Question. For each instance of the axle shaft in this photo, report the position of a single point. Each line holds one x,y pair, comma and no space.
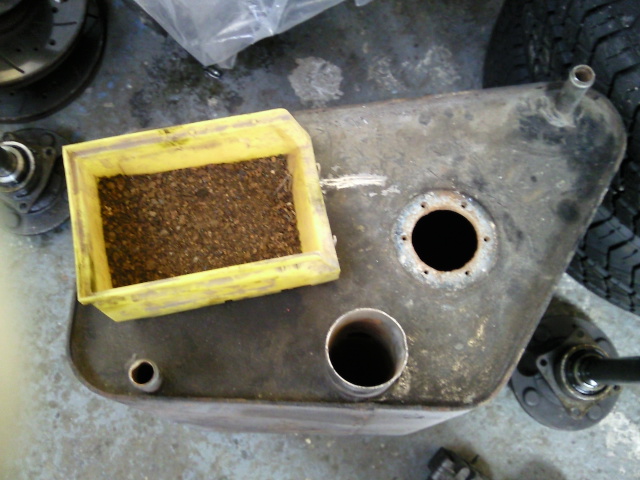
611,371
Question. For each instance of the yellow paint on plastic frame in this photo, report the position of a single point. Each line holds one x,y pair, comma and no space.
233,139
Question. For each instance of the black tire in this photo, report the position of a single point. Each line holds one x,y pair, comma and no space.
540,40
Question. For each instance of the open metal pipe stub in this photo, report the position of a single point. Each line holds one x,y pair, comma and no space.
507,193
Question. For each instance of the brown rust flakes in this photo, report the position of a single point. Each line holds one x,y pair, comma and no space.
185,221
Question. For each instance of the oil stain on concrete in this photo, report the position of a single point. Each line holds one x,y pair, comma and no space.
316,82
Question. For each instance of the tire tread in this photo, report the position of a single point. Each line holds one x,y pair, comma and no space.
539,40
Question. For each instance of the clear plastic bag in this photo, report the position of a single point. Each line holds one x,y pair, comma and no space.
214,31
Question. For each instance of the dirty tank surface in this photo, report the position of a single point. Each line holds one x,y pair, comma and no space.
388,49
265,354
185,221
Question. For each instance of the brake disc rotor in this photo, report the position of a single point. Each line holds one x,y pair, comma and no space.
49,51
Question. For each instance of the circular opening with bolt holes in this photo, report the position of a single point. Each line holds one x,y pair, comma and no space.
145,375
366,351
444,240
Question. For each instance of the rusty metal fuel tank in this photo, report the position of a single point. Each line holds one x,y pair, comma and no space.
454,217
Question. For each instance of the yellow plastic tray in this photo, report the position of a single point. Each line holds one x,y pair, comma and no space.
233,139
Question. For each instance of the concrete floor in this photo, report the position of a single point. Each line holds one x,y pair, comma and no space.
52,427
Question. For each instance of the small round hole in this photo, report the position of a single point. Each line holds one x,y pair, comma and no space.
543,362
145,375
426,272
423,205
463,205
444,240
54,9
23,206
467,273
52,42
142,373
404,238
583,74
486,239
